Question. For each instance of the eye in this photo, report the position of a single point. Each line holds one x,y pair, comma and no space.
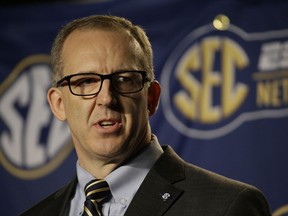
123,79
85,81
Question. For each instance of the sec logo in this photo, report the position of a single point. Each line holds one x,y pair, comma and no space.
33,142
215,81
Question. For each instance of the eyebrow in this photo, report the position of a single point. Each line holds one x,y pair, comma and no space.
116,71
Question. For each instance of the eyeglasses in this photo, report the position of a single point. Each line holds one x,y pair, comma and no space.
88,84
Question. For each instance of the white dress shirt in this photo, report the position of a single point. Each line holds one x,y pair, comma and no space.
124,182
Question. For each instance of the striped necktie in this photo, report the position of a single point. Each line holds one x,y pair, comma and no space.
96,192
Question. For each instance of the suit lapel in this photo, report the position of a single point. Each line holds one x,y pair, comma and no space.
157,192
60,204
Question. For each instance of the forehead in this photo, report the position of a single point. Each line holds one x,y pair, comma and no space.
101,47
106,39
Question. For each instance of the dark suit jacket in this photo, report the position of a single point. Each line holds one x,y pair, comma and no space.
174,188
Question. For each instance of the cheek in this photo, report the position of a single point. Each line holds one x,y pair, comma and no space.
75,109
139,111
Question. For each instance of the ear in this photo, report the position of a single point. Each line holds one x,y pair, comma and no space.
154,91
55,100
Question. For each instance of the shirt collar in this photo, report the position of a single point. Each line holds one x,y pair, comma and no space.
126,179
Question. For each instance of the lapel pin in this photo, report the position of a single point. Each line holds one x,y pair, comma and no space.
165,196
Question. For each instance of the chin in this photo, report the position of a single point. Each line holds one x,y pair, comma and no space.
109,150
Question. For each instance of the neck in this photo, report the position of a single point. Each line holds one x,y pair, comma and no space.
99,170
100,167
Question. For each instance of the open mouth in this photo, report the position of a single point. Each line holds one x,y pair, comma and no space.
107,124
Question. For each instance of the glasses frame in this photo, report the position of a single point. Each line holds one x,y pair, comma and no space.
103,77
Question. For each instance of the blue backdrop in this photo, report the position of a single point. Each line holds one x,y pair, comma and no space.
223,67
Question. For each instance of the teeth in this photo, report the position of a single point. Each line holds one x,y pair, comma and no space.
106,123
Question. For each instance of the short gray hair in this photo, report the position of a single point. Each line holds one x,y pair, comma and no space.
104,22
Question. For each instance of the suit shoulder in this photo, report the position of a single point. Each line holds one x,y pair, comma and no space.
52,202
170,162
234,196
199,176
204,188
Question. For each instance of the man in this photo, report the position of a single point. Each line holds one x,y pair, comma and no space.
104,88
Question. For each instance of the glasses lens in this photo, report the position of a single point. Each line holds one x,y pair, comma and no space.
127,82
85,84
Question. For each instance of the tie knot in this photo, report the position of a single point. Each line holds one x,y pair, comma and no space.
97,190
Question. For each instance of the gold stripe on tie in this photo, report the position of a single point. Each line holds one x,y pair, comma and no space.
96,191
87,211
94,182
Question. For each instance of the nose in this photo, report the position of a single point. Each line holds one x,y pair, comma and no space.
105,96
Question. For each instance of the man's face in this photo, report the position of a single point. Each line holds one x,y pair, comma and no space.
108,126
